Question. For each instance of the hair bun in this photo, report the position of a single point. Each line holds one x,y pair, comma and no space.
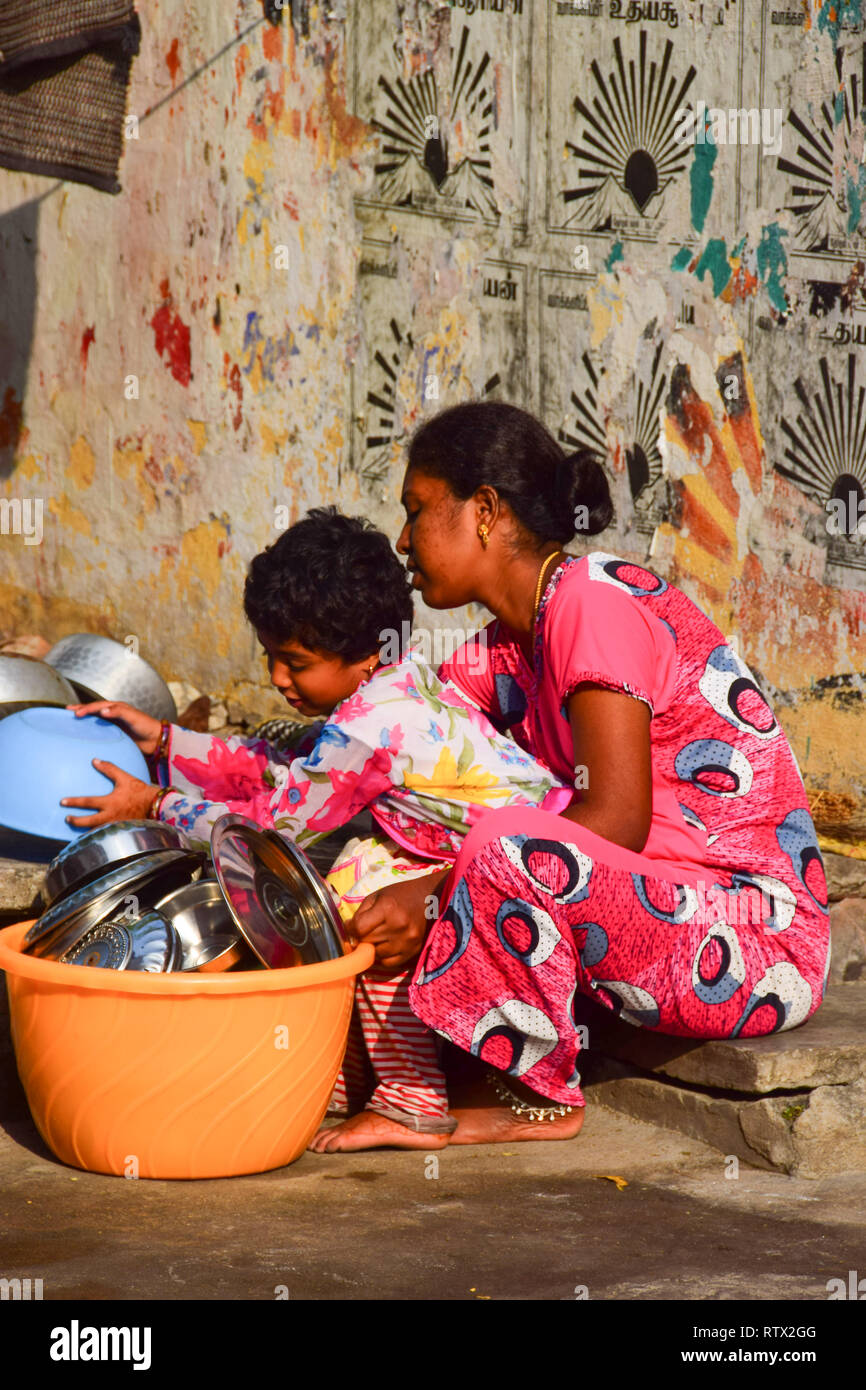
583,494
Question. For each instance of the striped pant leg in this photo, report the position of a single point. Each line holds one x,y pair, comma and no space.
404,1054
389,1048
355,1079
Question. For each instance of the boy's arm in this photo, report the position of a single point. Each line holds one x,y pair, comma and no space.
199,762
306,797
197,818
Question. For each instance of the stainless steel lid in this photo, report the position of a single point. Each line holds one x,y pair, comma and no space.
106,947
89,856
279,902
150,943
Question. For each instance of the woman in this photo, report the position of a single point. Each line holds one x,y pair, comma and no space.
683,887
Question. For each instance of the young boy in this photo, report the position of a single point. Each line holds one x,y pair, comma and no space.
332,607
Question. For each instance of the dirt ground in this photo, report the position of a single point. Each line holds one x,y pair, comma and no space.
533,1221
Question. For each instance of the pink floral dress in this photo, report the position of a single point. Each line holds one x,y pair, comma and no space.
718,928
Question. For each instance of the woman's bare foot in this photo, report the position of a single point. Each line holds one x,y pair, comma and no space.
484,1119
368,1130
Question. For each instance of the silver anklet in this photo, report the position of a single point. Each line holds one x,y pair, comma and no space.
520,1107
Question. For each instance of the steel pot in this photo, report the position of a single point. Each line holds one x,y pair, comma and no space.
24,682
102,669
208,936
92,854
146,879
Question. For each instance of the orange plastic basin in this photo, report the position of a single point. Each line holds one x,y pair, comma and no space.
177,1075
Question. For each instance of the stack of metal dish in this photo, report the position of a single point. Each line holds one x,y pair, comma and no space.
102,891
137,896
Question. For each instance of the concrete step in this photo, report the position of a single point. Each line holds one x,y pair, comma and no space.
793,1101
828,1050
813,1134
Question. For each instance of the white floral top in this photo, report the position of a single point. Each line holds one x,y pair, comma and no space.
408,746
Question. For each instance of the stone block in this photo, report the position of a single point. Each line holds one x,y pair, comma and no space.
20,882
848,928
811,1134
828,1050
218,718
846,876
183,693
657,1102
31,645
830,1134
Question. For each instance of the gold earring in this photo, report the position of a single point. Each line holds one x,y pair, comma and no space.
484,534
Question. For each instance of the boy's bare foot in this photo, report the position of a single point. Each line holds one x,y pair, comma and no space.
369,1130
484,1119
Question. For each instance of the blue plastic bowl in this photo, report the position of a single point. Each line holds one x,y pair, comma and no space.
45,754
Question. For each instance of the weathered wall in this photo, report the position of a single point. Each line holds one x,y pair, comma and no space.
325,234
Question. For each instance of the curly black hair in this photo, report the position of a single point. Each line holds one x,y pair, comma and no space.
332,583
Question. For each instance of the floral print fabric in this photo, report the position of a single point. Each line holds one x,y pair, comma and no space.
405,744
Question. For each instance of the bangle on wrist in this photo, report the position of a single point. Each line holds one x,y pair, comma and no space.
161,748
156,804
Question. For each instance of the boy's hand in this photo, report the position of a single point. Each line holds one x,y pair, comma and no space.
141,727
395,919
131,799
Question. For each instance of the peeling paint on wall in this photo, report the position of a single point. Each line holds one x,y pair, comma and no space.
333,226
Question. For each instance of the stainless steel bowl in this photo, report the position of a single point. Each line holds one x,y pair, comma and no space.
208,936
91,855
102,669
155,944
24,682
146,880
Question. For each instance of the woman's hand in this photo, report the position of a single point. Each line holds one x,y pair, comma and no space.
396,919
142,728
131,799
